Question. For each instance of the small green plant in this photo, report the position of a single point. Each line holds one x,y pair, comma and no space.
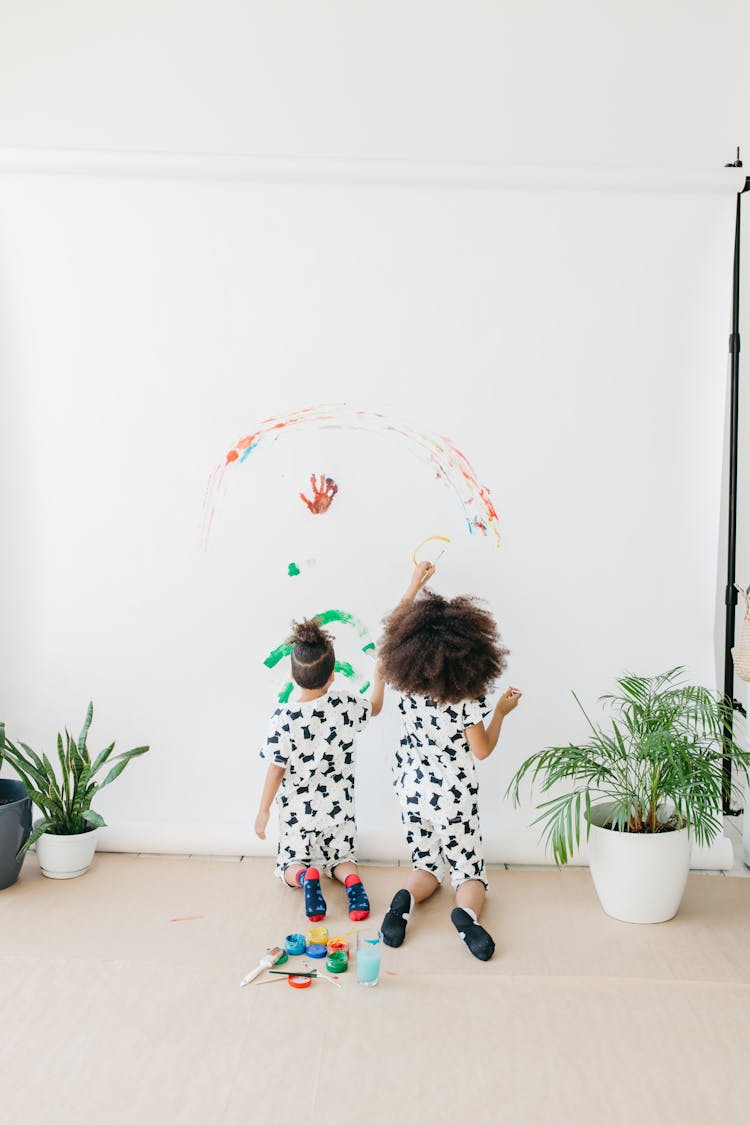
65,803
659,767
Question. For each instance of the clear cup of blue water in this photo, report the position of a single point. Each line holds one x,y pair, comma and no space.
369,951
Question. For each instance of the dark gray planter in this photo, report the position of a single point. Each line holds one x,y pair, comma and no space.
15,826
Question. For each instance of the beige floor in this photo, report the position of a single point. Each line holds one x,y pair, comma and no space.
116,1012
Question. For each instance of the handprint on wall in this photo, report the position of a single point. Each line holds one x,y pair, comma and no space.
323,495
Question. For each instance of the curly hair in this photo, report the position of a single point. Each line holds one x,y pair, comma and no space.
313,658
446,650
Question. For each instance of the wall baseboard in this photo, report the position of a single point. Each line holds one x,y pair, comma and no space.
209,839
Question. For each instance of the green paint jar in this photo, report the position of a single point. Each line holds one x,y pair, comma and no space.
337,961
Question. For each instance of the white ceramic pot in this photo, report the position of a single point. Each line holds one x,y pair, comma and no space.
638,876
66,857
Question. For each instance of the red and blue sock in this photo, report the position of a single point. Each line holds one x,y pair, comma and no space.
359,904
315,904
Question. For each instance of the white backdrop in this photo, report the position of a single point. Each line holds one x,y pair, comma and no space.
572,343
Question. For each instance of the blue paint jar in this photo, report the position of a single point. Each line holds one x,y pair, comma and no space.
295,944
316,950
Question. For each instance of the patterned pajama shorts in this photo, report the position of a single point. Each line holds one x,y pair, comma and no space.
325,846
454,839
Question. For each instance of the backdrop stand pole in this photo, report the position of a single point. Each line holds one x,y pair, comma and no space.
730,595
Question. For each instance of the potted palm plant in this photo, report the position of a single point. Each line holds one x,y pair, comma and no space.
15,824
644,788
65,835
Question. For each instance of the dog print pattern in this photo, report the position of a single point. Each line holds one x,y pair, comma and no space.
315,743
436,784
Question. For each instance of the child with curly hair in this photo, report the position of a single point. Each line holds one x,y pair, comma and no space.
310,748
443,656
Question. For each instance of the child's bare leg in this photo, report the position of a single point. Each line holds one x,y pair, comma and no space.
291,873
471,894
419,886
343,871
359,905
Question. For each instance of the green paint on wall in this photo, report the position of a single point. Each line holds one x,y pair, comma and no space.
278,654
332,615
329,615
293,570
364,687
325,618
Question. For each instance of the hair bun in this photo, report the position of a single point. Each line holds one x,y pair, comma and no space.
309,632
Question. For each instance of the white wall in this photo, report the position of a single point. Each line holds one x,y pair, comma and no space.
135,332
630,82
569,342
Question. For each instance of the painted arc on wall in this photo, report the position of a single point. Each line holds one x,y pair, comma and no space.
452,467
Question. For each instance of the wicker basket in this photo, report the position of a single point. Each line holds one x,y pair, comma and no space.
741,651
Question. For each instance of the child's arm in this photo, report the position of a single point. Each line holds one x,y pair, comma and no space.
270,789
483,742
422,574
378,691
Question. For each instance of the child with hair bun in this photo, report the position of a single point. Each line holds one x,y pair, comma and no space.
443,656
310,748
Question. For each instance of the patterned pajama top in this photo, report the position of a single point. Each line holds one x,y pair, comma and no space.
436,784
315,743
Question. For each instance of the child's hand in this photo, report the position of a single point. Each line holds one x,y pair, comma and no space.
423,572
261,823
509,701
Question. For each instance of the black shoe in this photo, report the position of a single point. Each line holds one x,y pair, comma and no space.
476,937
394,923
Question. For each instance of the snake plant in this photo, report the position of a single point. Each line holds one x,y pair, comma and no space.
65,800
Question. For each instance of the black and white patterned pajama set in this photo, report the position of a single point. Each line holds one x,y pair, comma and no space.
314,742
436,783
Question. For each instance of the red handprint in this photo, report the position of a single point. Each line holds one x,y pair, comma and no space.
323,495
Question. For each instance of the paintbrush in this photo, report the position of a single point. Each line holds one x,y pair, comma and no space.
293,972
271,957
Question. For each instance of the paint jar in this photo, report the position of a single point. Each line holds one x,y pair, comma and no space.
317,935
338,943
316,950
337,961
295,944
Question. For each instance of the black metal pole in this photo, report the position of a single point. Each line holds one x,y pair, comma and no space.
730,595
